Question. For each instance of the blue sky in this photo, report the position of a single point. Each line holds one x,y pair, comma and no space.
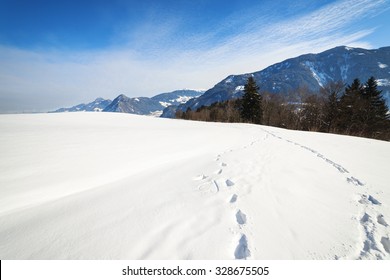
60,53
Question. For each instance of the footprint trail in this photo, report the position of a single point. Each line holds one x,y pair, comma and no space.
373,226
216,184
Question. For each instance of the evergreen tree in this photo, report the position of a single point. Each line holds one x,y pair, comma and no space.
331,106
351,107
311,114
251,103
375,111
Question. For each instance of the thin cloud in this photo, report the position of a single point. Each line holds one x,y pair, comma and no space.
328,19
44,80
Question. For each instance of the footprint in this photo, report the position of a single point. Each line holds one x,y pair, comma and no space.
200,177
233,198
229,183
223,164
219,171
365,218
240,217
222,183
242,251
373,200
381,220
204,186
209,187
216,187
386,244
353,180
369,199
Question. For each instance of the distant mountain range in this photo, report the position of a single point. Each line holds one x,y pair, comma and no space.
311,71
95,106
150,106
136,105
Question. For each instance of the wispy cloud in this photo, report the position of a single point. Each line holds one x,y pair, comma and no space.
158,58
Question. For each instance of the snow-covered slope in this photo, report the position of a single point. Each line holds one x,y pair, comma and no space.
150,106
311,71
177,97
121,186
95,106
134,105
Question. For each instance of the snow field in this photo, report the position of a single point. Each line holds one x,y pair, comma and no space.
118,186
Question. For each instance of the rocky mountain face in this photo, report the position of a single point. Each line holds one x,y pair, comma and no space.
95,106
311,71
137,105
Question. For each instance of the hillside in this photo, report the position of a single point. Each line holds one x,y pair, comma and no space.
135,105
122,186
309,71
95,106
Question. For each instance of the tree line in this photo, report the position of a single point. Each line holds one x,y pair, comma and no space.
357,109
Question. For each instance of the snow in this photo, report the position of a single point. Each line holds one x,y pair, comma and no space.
238,88
156,114
382,65
229,79
344,71
136,99
200,90
183,99
320,77
383,82
122,186
165,104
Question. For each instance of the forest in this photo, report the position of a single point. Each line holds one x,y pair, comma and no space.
358,109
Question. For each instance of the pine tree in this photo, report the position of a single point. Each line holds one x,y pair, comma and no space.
331,106
251,104
311,114
351,107
375,111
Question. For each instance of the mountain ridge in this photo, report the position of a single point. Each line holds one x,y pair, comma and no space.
311,71
135,105
150,105
95,106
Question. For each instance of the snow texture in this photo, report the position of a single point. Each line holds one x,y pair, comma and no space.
383,82
120,186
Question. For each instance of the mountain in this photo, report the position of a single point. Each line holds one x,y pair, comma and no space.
177,97
95,106
311,71
136,105
154,105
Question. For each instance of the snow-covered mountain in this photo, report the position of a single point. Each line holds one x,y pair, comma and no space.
311,71
123,186
177,97
95,106
150,106
137,105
